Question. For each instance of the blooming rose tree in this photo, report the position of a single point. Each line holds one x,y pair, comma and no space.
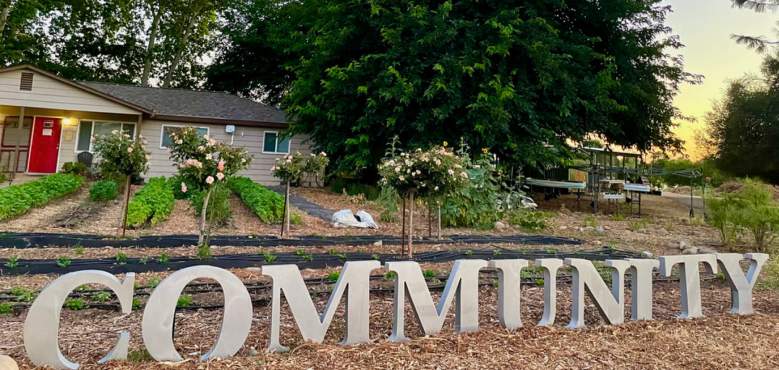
291,168
430,174
121,156
206,163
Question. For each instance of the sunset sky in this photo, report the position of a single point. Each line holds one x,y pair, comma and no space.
705,27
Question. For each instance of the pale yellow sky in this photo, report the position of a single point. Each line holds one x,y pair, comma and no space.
705,28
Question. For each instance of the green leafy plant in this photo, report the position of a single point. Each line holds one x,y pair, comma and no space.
16,200
23,294
12,262
102,297
136,304
429,274
265,203
333,276
63,262
78,249
218,204
184,301
154,282
75,304
204,251
121,258
528,220
75,168
152,204
390,275
6,308
163,258
143,260
104,190
269,257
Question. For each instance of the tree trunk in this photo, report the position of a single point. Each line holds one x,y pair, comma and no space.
410,225
438,219
429,220
4,17
126,206
204,218
153,31
285,221
174,65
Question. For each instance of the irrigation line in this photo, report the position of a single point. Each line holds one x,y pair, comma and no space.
300,258
48,240
320,287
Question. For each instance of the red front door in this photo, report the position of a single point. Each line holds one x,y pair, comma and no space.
44,145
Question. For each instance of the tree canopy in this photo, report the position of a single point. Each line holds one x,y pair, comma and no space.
744,126
520,77
131,41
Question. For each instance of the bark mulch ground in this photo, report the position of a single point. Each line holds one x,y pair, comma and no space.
719,340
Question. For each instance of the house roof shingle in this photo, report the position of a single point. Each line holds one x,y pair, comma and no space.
192,104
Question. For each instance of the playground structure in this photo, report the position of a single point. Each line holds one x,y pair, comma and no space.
605,174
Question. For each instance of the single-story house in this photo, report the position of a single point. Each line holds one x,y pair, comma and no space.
60,118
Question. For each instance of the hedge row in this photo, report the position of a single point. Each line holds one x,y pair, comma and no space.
16,200
152,204
265,203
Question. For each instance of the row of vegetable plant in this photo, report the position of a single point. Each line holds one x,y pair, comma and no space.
17,200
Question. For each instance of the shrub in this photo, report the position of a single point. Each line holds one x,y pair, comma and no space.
6,308
528,220
104,190
722,215
265,203
17,200
758,213
75,168
152,204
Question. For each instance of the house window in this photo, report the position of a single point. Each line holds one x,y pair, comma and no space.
273,143
87,130
165,140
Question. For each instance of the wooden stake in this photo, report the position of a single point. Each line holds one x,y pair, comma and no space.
411,225
438,219
126,205
429,220
285,220
403,225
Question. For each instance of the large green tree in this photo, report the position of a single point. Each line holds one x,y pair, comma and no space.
520,77
744,127
163,42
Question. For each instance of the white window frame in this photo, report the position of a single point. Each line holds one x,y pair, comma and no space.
289,147
92,132
162,131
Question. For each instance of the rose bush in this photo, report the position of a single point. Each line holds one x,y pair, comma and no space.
435,172
121,157
205,164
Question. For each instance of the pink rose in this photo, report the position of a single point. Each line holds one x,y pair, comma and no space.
220,166
183,187
220,176
209,180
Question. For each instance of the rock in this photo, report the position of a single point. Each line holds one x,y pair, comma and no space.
600,229
647,254
683,245
378,243
705,249
366,220
499,225
7,363
563,227
345,218
690,250
253,352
